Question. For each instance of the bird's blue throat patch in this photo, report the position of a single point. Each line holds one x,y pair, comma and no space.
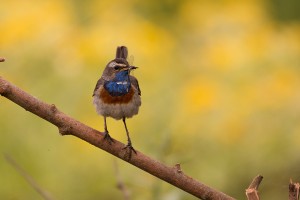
120,85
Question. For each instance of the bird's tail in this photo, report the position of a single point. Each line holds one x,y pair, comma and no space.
122,52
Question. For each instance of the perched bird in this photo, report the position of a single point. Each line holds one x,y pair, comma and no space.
117,93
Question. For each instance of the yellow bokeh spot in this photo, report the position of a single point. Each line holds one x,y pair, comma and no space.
200,94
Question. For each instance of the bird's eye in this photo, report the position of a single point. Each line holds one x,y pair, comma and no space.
117,67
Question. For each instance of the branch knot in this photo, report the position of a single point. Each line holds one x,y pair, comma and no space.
65,130
178,168
4,87
53,108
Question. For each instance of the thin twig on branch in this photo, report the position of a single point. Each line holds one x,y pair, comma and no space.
28,178
120,184
69,126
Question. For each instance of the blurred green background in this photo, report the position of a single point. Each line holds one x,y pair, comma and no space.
220,87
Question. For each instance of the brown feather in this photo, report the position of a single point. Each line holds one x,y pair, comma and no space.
109,99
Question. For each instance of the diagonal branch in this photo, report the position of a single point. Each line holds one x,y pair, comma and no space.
69,126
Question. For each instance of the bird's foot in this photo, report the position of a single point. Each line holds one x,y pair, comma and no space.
129,149
108,138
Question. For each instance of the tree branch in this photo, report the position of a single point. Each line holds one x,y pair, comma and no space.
69,126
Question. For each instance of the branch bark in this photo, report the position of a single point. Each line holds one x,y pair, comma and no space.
69,126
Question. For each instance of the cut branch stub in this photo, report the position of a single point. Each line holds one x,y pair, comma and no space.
294,190
252,190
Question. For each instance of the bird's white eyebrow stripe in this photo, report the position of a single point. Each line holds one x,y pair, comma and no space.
113,64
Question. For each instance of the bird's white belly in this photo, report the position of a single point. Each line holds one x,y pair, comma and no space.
117,110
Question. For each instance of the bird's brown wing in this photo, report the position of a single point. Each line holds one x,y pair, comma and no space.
99,83
135,83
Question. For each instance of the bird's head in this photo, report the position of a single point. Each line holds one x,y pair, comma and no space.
118,66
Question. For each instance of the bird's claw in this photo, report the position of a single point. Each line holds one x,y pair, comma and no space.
108,138
131,149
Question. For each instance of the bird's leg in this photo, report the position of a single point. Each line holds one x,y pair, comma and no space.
107,136
129,144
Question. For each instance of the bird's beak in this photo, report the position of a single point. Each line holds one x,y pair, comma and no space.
132,67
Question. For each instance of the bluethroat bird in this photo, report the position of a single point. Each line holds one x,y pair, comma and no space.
117,93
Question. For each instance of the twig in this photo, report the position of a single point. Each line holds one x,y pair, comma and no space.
294,190
120,184
252,190
28,178
69,126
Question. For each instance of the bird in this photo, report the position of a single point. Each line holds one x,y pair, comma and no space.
117,94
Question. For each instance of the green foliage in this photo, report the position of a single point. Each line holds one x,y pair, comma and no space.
220,91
